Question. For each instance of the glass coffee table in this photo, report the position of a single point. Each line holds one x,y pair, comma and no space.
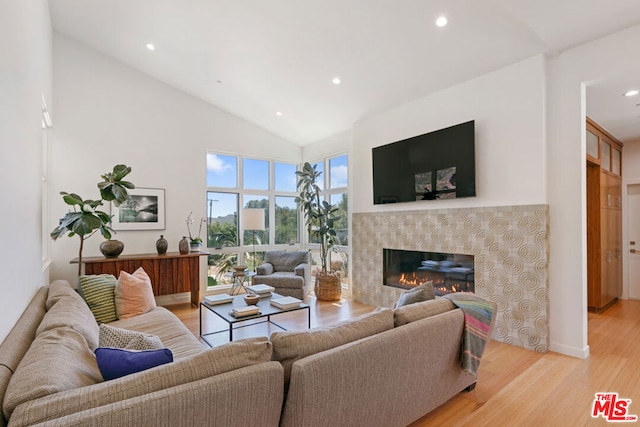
223,311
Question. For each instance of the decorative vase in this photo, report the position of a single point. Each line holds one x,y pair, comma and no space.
162,245
328,287
183,246
111,248
195,247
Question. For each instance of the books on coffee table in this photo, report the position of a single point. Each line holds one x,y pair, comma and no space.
249,310
260,289
286,303
218,299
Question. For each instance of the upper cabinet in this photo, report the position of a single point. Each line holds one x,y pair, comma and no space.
592,145
603,149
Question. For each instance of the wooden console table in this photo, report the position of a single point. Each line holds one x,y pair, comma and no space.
170,273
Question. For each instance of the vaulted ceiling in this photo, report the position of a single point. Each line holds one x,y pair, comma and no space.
273,62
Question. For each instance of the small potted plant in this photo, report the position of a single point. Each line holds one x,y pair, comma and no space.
195,243
85,218
320,217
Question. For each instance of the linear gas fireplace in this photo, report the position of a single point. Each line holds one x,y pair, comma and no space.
448,272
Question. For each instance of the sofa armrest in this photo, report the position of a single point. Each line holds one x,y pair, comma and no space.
264,269
301,269
247,396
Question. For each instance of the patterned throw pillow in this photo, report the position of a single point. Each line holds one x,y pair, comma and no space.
110,336
98,292
134,294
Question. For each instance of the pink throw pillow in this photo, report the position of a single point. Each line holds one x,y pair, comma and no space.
133,294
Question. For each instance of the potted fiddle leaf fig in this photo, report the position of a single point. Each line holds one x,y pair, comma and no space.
86,218
320,217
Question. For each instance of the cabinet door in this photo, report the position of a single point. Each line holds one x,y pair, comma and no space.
592,144
611,238
617,254
616,161
614,188
607,259
605,155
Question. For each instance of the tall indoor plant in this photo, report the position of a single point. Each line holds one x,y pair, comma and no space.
320,217
85,218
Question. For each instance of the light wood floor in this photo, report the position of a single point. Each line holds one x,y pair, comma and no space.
516,387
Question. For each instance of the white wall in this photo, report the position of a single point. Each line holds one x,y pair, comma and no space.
631,160
508,109
567,75
107,113
25,74
337,144
630,176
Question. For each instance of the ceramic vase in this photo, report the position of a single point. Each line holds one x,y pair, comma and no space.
111,248
195,247
162,245
183,246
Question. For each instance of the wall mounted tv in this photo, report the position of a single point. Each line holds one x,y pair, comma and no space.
436,165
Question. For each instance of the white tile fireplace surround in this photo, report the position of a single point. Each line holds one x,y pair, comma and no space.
511,249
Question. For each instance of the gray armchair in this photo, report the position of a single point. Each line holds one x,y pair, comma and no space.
287,272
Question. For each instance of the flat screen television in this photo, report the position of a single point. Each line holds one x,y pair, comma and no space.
436,165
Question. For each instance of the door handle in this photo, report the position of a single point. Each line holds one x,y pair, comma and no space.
633,251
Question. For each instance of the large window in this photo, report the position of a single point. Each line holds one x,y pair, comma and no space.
235,183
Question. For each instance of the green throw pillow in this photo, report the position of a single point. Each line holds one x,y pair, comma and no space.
420,293
98,292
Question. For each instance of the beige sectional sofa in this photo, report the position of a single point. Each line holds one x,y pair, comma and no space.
386,368
48,373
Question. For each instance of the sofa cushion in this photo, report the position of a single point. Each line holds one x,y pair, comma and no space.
290,346
133,294
70,311
59,359
420,293
412,312
166,326
110,336
116,362
98,291
215,361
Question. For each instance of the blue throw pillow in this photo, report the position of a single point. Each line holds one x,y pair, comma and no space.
116,362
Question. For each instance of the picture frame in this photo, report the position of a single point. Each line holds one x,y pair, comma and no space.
143,210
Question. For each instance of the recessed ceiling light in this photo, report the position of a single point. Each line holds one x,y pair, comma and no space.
150,46
631,93
336,81
279,113
442,21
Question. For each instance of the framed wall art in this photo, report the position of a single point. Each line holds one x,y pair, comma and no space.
143,210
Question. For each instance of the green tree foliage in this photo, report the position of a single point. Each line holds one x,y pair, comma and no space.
342,222
286,225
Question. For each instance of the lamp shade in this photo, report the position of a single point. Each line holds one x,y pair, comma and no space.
253,219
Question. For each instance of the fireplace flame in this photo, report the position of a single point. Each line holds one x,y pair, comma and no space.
409,279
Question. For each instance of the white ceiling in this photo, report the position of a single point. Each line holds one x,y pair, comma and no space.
254,58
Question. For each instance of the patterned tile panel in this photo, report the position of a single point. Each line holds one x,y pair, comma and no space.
511,249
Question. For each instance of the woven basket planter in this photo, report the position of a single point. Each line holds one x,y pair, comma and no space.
328,287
